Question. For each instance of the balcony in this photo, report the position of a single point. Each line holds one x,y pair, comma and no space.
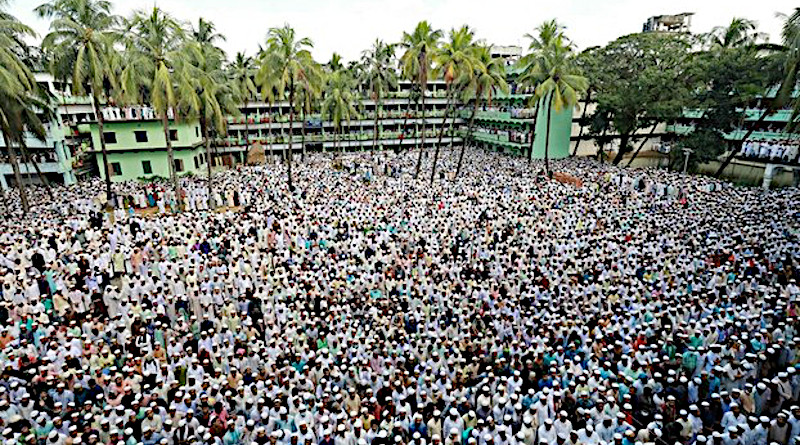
682,129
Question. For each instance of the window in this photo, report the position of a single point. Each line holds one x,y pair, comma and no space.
147,168
196,162
178,165
173,135
116,169
110,137
141,135
197,131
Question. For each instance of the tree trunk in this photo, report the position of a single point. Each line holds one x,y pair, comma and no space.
639,148
470,126
303,137
291,122
375,125
422,136
623,144
100,126
207,144
767,112
171,158
533,130
246,138
405,122
29,160
441,133
450,131
12,157
601,145
583,118
269,135
547,137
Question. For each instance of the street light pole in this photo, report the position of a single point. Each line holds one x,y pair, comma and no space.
687,152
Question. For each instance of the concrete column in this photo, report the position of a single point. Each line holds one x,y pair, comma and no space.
769,173
796,177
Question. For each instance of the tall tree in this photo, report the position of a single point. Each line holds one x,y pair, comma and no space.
82,37
18,102
546,36
338,103
285,64
153,48
203,89
739,33
789,54
642,79
379,78
241,73
456,60
488,77
416,64
557,81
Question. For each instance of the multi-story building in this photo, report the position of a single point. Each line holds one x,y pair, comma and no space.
136,144
400,126
59,157
669,23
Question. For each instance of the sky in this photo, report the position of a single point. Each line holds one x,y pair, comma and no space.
350,26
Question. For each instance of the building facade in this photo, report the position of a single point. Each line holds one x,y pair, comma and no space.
137,148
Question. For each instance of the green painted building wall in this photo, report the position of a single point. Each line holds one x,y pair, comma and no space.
560,131
130,163
128,154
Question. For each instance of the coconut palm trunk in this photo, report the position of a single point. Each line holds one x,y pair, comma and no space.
470,127
303,136
424,87
291,128
375,124
269,138
246,138
100,128
29,160
547,136
441,134
533,131
171,158
12,157
209,179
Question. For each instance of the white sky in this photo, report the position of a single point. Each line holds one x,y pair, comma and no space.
350,26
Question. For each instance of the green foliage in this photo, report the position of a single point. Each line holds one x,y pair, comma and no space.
641,79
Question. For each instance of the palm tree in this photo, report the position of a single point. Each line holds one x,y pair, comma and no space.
241,73
18,103
285,65
488,76
416,63
81,38
338,101
545,36
308,93
378,77
203,90
154,42
555,75
456,60
739,33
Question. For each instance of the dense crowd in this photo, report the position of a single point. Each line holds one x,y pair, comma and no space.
367,308
785,151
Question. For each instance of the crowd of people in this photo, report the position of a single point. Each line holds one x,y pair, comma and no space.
498,308
785,151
